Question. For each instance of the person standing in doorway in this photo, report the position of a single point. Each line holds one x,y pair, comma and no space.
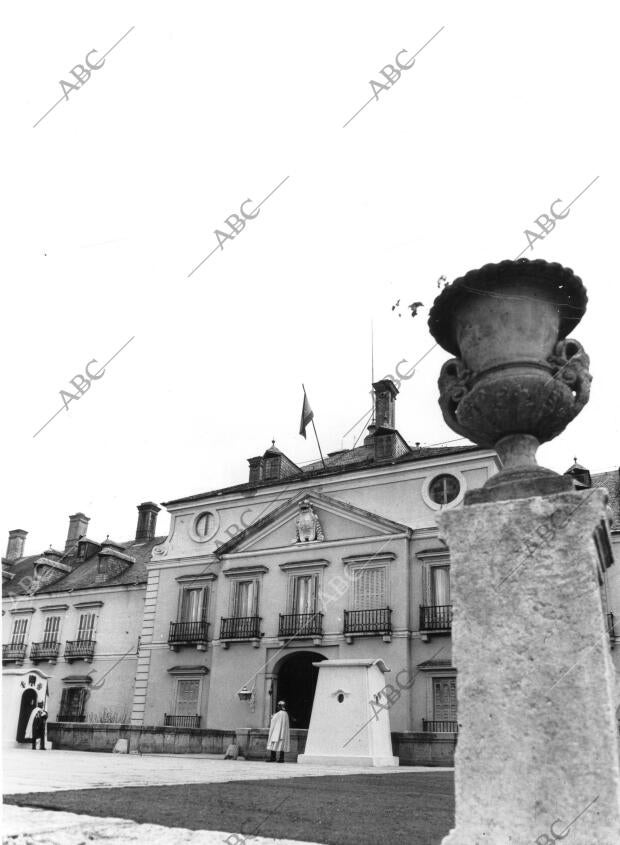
279,739
36,726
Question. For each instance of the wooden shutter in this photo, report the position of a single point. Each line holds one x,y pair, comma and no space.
444,699
80,702
52,628
64,703
86,629
370,588
187,697
19,631
204,604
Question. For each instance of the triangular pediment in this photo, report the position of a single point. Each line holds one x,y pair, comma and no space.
337,521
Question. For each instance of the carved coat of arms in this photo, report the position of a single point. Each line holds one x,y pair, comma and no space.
307,526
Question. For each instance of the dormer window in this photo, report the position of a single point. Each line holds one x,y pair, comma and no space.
580,475
86,548
271,468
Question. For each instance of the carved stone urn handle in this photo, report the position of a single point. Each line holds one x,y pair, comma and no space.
453,384
571,364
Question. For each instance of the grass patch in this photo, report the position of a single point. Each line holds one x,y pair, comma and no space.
417,808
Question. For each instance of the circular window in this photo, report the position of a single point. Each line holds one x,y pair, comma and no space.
204,524
444,489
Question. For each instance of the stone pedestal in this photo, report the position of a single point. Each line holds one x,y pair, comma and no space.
350,723
537,752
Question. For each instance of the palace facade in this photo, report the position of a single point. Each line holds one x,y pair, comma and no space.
254,585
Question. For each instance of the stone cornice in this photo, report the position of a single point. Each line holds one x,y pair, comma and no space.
303,564
207,576
244,570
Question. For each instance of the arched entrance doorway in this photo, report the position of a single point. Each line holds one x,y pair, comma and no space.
29,702
296,684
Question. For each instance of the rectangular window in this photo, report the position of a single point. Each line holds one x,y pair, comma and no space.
194,604
369,587
20,626
188,691
304,593
72,704
245,599
52,630
444,699
440,585
86,628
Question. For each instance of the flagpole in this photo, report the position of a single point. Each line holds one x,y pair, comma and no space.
315,434
318,444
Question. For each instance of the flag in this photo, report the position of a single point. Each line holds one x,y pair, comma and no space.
307,415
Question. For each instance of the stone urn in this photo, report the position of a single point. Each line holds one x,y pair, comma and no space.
517,380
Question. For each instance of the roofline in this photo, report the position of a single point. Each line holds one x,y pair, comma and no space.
324,473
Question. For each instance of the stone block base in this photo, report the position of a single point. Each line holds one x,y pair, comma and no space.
334,760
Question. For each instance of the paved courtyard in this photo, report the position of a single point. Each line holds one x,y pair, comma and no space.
189,796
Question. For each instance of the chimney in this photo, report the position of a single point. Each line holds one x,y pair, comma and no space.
385,399
147,520
78,525
255,469
384,416
15,546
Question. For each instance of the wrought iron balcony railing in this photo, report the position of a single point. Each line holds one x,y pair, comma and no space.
300,625
188,632
436,617
79,650
14,652
377,621
240,628
44,651
171,721
440,726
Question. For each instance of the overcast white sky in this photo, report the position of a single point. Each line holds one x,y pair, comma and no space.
113,198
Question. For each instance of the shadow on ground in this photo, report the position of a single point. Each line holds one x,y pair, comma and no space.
416,808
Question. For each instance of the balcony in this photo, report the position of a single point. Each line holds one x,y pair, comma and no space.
44,651
14,653
373,622
181,721
241,628
301,625
435,618
188,633
79,650
440,726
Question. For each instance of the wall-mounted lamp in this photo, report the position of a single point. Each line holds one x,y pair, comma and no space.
246,694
